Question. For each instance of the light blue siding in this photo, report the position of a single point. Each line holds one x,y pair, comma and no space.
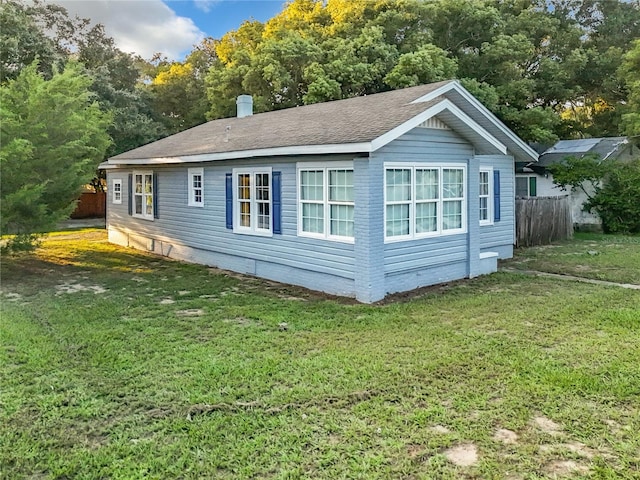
499,237
369,268
415,263
199,234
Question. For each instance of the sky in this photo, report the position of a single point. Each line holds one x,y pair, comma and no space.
171,27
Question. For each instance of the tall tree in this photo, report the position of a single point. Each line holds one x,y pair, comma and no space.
53,137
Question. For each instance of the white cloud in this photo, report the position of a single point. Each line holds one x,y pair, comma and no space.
204,5
144,27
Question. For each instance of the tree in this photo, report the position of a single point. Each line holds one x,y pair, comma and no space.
630,73
612,189
53,137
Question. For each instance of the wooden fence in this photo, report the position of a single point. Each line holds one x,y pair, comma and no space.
91,204
542,220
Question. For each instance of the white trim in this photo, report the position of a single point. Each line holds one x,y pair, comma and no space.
144,214
455,85
410,124
325,167
439,232
489,220
116,199
253,229
362,147
191,200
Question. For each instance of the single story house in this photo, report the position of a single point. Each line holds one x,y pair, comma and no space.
535,179
358,197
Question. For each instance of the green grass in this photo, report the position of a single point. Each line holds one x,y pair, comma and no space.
120,384
614,258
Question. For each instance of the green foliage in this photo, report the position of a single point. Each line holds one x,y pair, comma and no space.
618,200
630,73
580,173
612,189
544,67
53,137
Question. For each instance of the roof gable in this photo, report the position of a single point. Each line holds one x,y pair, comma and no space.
355,125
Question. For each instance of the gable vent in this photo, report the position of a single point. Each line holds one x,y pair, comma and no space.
433,122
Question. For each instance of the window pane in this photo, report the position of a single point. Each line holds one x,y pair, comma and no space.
398,185
313,218
148,183
484,208
149,204
484,183
138,201
426,184
452,215
245,214
397,220
138,183
264,217
244,187
342,220
262,186
311,182
452,186
197,181
522,187
426,217
341,185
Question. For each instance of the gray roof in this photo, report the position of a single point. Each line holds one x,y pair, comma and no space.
603,147
352,122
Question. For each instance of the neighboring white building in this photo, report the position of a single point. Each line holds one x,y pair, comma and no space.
535,179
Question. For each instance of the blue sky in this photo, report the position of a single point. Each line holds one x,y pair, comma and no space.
219,16
170,27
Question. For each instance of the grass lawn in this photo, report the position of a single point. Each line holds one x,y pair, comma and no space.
615,258
117,364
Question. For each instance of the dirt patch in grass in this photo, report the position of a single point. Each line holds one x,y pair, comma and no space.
191,312
465,455
72,287
547,425
505,436
565,468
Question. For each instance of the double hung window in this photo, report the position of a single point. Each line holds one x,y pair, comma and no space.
326,202
196,187
116,186
252,198
485,196
143,194
424,200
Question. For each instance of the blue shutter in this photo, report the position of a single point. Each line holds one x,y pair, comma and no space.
130,194
155,195
496,195
277,203
229,199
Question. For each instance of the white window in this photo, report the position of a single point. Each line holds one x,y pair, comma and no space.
486,194
252,201
326,201
424,200
143,194
116,186
196,187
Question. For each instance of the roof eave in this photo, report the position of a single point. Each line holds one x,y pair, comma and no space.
361,147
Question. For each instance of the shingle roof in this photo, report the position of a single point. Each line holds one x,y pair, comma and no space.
353,120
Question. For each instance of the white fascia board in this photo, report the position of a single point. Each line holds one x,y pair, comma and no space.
455,85
493,119
391,135
436,93
362,147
